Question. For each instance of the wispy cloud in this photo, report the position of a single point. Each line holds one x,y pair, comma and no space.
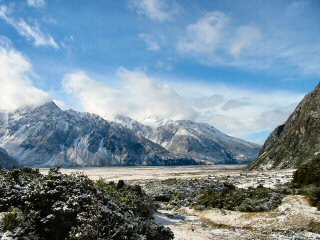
157,10
36,3
30,32
237,111
244,37
215,39
296,7
205,35
150,41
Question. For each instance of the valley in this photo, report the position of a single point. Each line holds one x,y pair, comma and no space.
292,219
216,173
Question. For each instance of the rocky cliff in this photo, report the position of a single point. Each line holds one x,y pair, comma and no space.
296,142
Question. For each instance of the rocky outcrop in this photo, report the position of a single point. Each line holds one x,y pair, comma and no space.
296,142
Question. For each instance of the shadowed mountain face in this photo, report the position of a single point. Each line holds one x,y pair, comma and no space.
5,160
297,141
194,140
48,136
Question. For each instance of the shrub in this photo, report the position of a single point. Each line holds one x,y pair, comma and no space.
307,178
308,173
246,200
315,197
12,219
58,206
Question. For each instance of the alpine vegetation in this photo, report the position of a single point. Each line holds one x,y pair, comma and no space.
58,206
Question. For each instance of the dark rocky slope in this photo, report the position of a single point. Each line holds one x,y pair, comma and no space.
296,142
5,160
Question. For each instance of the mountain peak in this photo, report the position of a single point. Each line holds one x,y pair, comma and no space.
49,106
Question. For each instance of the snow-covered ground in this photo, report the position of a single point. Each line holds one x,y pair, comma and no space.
152,172
291,220
219,173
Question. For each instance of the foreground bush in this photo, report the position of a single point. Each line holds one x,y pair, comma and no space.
308,173
307,179
58,206
246,200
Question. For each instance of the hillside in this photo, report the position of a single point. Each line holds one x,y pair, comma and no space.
297,141
5,160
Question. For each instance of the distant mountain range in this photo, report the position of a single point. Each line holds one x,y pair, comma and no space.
48,136
297,142
199,141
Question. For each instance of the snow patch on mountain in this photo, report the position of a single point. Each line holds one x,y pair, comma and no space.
199,141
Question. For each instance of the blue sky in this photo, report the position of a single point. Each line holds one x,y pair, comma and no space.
241,66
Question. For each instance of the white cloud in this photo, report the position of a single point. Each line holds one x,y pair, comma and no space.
212,35
138,97
215,39
30,32
296,7
238,112
165,64
245,36
36,3
150,41
157,10
16,87
205,35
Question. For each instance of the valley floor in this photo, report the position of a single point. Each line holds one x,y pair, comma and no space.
293,219
232,173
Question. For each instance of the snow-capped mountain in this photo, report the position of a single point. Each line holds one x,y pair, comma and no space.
199,141
137,127
48,136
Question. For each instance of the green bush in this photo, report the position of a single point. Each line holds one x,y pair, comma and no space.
308,173
246,200
59,206
315,197
11,219
307,179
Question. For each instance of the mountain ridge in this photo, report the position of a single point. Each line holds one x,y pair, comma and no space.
196,140
297,141
46,136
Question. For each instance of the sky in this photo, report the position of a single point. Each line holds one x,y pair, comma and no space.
241,66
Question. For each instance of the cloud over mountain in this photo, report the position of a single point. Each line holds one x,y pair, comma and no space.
16,87
238,112
139,96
